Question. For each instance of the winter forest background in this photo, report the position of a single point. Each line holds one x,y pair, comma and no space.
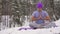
16,12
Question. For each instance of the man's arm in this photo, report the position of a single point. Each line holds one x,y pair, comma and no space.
33,18
47,18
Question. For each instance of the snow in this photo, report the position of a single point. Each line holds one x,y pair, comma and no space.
16,30
57,22
36,31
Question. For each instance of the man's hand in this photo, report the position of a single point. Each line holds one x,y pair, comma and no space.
46,18
40,17
34,19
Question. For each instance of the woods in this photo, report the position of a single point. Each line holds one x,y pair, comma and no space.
22,8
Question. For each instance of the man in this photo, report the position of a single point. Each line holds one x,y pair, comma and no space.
39,16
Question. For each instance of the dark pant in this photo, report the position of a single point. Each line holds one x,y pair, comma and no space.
33,27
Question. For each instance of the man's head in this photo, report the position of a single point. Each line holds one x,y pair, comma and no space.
39,6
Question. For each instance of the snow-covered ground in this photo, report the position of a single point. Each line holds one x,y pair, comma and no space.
16,30
31,31
57,22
